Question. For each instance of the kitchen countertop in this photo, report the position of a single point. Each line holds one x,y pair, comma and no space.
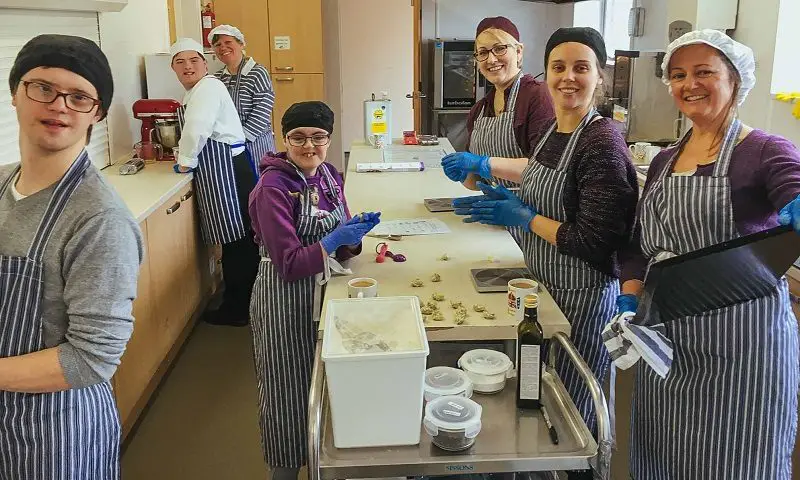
399,195
148,188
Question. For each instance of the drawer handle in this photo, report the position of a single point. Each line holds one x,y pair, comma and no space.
173,208
187,196
284,79
285,69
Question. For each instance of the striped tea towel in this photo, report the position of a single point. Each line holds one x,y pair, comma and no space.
627,343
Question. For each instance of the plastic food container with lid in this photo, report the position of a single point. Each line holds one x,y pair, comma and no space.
446,381
488,369
452,422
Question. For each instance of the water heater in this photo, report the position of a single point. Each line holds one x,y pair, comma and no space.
378,121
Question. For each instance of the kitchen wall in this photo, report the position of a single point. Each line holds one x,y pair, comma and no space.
757,27
140,28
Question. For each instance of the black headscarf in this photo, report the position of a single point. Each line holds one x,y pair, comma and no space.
585,35
76,54
308,114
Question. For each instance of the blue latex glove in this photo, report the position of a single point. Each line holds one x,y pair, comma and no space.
497,206
368,217
345,234
458,165
790,214
176,168
627,303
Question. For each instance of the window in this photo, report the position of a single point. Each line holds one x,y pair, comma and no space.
609,17
19,26
786,70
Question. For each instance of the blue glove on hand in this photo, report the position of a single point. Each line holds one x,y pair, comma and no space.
790,214
627,303
177,169
368,217
497,206
458,165
345,234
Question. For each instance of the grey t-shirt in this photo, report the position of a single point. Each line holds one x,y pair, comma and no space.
91,268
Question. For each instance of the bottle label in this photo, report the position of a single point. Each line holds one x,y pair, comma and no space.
529,372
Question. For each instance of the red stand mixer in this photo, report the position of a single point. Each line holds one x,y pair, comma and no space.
159,126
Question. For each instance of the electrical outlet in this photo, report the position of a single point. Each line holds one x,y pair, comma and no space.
678,28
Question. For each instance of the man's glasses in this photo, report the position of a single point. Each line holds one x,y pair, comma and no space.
43,93
317,140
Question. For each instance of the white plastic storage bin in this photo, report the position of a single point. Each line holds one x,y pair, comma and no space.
375,350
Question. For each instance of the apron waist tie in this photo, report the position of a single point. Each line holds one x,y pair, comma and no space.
627,343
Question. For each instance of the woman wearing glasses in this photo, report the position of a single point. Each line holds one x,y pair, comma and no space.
507,121
304,229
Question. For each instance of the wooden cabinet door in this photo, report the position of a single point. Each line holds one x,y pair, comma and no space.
297,23
142,355
292,88
251,17
191,291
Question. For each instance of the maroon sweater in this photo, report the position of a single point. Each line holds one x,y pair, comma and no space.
764,176
600,195
532,113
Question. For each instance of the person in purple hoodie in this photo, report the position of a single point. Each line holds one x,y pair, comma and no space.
303,229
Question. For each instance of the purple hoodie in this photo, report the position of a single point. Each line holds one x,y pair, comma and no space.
274,212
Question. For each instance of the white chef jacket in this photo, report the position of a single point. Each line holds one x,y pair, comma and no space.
210,113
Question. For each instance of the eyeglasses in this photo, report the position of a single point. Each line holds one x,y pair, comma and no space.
317,140
498,50
43,93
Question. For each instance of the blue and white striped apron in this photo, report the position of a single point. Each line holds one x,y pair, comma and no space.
728,407
68,435
586,296
494,136
221,219
254,97
282,318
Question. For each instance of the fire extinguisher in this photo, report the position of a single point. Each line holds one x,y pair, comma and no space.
209,21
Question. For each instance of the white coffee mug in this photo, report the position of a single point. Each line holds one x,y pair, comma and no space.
362,288
517,289
650,153
639,151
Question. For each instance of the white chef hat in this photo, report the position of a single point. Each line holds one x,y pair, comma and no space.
226,30
186,44
740,55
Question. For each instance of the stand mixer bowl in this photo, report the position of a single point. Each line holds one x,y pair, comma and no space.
168,133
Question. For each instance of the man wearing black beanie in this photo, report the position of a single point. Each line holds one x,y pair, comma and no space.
69,264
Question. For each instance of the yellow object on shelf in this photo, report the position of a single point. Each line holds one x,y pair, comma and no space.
792,97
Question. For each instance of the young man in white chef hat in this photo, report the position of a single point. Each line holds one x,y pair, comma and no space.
212,146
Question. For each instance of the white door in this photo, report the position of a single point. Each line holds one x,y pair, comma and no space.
376,53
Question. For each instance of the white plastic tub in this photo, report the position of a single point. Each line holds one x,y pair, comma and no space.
375,379
488,369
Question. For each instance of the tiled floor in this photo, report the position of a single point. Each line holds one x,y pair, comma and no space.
203,424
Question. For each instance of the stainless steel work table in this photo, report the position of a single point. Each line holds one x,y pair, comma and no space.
510,440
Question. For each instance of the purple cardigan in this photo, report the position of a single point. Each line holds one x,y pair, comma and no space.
274,211
764,175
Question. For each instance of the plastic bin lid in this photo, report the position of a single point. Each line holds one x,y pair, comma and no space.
443,381
453,414
485,362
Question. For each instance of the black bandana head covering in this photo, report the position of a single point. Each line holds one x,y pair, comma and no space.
308,114
76,54
585,35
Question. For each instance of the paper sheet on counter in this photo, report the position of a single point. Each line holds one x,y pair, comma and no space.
413,226
431,156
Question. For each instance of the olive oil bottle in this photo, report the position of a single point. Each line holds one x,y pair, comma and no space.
530,343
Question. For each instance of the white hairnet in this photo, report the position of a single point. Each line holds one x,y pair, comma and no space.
186,44
741,56
226,30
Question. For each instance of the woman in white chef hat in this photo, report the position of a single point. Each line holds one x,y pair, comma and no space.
250,87
716,397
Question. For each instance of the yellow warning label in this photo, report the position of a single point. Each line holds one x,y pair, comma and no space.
377,114
378,128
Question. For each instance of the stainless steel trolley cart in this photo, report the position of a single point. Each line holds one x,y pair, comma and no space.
511,440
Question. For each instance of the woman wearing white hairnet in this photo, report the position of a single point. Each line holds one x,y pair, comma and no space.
250,87
720,401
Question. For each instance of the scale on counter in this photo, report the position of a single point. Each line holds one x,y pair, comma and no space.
439,204
487,280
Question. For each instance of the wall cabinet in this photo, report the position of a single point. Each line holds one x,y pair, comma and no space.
172,290
252,18
296,24
293,88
